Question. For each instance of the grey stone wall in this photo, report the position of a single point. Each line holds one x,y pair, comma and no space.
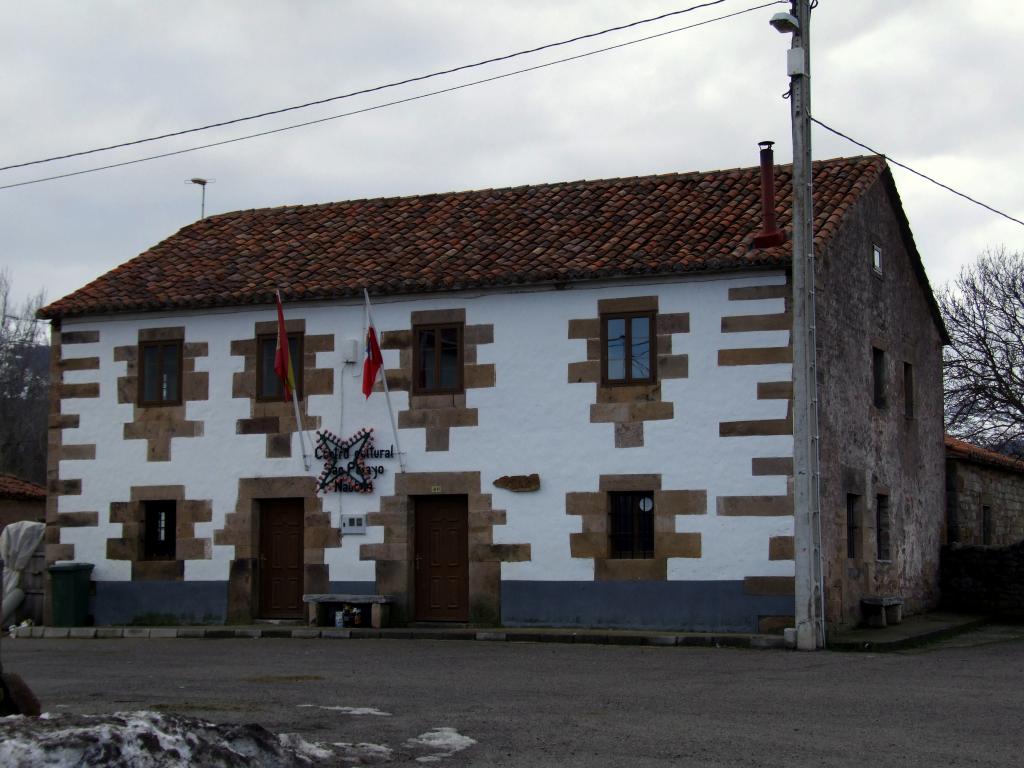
869,450
977,579
970,488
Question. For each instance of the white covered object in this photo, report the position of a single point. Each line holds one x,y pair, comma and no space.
17,543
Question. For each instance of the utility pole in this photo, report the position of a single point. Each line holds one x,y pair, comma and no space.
810,598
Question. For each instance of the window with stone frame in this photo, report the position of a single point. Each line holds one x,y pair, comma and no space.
160,365
883,527
878,377
159,527
627,348
438,359
268,383
631,525
852,526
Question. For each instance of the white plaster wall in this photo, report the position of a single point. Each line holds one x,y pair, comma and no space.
533,420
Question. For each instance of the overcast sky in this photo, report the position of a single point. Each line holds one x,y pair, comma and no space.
933,83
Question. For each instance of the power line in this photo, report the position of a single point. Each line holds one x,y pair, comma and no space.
389,103
364,91
915,172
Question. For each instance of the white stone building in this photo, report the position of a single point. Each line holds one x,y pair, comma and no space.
591,384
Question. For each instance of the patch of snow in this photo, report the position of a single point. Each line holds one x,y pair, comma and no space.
363,752
305,748
148,740
445,741
349,710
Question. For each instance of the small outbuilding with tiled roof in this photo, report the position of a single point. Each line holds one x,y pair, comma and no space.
587,420
984,495
20,500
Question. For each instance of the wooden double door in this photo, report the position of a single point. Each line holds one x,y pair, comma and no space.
441,558
281,567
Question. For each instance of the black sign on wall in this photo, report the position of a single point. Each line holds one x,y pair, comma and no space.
347,466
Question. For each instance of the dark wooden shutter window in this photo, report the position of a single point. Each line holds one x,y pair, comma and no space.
268,385
160,524
628,354
160,373
631,525
437,359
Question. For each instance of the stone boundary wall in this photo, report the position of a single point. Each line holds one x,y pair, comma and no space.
977,579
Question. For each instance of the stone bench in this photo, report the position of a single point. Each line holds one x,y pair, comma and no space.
323,607
881,610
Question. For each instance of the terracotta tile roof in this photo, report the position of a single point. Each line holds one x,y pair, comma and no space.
12,487
961,449
571,231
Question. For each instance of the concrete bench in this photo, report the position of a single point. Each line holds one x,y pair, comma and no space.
322,608
881,610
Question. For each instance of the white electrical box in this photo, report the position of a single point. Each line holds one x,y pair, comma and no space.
353,524
350,351
795,62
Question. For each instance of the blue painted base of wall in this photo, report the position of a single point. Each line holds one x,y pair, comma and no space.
353,588
160,602
692,606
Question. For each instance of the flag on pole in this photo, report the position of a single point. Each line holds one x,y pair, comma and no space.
282,355
372,360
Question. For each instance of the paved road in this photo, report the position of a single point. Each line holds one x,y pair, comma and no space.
544,704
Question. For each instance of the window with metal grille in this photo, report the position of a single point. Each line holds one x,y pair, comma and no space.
882,527
268,383
631,525
878,376
160,373
158,538
908,390
852,526
437,359
628,355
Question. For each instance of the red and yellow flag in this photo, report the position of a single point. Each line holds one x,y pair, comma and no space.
282,355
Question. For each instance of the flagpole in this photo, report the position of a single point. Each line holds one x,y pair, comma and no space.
387,392
295,395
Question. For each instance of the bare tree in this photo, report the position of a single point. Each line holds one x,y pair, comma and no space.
984,365
24,384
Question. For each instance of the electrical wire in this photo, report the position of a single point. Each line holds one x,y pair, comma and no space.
915,172
389,103
364,91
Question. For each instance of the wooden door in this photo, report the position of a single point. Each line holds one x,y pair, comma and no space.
281,558
441,561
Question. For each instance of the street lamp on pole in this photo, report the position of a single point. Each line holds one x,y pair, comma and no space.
809,586
202,183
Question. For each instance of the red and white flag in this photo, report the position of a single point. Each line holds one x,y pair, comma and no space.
373,361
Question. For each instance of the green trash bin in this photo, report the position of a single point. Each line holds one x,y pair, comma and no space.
70,590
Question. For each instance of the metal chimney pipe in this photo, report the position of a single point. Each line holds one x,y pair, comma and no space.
770,235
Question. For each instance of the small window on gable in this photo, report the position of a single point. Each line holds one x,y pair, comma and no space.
160,373
631,525
159,525
878,376
876,258
628,354
852,526
268,384
437,358
908,390
882,528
